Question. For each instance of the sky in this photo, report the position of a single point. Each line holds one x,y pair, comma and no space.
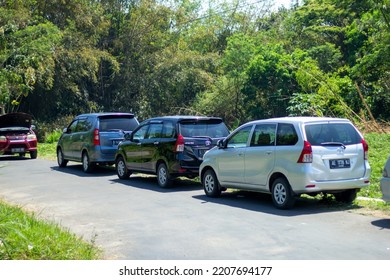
285,3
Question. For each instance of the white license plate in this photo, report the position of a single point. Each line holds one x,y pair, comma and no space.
17,150
116,142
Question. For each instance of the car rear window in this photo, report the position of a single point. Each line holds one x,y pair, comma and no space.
320,134
198,128
115,123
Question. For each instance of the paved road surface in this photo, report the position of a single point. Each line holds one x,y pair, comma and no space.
135,219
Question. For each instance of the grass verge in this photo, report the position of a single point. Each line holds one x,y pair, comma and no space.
24,236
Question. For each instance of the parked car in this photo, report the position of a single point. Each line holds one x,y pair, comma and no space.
287,157
93,138
17,135
169,147
385,181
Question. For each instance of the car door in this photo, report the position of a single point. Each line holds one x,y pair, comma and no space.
260,156
67,140
338,151
79,138
231,159
133,148
151,146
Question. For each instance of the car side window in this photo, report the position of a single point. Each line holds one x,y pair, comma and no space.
286,135
240,138
155,130
83,125
72,127
168,130
264,135
140,133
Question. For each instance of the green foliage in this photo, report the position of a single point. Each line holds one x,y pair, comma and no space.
27,56
323,57
379,151
25,237
53,136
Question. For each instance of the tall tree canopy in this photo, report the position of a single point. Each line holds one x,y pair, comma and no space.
237,59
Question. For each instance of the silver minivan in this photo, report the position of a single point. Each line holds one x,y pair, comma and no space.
93,138
287,157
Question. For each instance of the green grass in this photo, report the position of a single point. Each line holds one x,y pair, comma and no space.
47,150
24,236
378,152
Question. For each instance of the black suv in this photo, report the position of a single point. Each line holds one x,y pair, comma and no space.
93,138
169,147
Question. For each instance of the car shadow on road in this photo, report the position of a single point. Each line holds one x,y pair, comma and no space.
77,169
382,223
149,182
13,158
260,202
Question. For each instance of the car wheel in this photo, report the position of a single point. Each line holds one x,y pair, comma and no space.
211,184
62,162
346,196
163,177
281,194
121,169
33,154
87,165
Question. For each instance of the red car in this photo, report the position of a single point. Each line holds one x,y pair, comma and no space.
17,135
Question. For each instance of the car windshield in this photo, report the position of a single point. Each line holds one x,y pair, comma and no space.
206,129
332,133
122,123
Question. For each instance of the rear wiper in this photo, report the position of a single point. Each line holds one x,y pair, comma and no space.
333,144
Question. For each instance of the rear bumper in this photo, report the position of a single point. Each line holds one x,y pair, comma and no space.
97,156
331,186
182,169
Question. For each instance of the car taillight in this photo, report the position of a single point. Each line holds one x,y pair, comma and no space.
96,137
306,154
179,146
365,148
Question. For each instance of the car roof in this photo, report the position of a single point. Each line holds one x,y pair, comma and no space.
184,117
301,120
106,114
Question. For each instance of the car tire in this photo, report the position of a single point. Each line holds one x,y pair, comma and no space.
211,184
121,169
347,196
62,162
33,154
282,196
163,176
87,165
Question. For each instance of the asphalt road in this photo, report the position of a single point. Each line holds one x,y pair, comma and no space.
135,219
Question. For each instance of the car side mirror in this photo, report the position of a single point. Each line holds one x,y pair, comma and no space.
33,127
221,144
127,136
66,130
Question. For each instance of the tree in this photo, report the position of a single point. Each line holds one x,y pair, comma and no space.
27,55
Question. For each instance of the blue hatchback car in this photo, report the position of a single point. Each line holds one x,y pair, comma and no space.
93,138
